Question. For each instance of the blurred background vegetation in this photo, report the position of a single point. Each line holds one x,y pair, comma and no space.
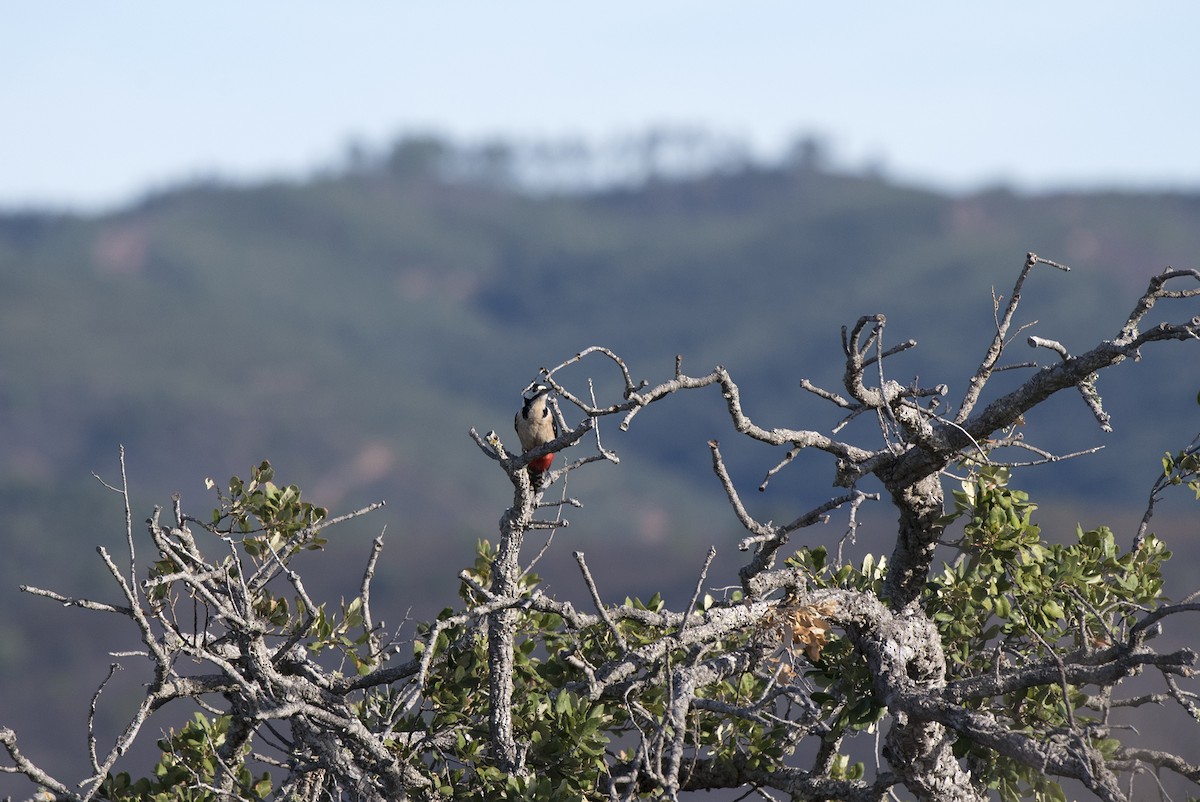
352,326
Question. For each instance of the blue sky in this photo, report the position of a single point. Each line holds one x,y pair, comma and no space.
101,101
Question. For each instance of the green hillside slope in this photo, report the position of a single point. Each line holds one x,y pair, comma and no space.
352,328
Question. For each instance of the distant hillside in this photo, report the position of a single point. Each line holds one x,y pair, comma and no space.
352,328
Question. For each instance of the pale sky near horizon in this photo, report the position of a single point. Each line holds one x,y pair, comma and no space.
100,102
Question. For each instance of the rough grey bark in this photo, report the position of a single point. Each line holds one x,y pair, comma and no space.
502,624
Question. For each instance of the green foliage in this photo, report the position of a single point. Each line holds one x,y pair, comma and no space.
273,524
1012,598
1183,467
1009,598
566,736
188,769
268,518
1009,588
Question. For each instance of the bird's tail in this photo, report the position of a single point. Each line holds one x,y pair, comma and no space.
539,471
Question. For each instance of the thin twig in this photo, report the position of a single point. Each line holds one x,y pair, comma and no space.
988,365
113,668
712,552
364,593
600,608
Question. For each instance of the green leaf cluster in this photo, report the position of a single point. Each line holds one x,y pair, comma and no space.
273,524
268,518
1183,467
188,769
1010,589
1011,598
565,735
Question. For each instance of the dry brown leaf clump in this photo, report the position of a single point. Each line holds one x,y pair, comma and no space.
804,626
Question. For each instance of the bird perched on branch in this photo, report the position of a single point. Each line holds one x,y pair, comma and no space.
535,426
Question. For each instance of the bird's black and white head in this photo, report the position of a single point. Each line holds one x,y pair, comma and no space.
534,390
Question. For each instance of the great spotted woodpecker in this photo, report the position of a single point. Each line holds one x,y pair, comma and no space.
535,427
